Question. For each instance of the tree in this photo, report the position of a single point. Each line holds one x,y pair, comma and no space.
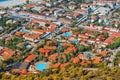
115,44
106,35
27,1
81,48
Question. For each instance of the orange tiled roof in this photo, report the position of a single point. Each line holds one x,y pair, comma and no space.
67,44
70,49
34,36
103,53
65,29
19,33
7,53
30,6
53,56
75,60
56,65
38,31
50,47
82,56
30,58
64,65
110,39
96,59
43,9
76,14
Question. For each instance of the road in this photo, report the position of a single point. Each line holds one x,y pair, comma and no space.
110,14
113,56
90,69
85,17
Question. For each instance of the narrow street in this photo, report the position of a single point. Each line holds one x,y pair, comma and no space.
113,56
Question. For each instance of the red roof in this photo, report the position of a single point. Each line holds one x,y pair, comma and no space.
56,65
7,53
104,53
75,60
110,39
30,58
53,57
64,65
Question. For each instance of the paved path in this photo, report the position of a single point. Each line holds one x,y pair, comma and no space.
90,69
113,56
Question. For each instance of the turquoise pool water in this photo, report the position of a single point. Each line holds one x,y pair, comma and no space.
28,46
41,66
3,0
88,54
24,30
88,21
68,34
74,40
1,57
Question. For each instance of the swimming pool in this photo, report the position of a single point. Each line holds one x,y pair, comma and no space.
74,40
88,21
28,46
24,30
88,54
67,34
1,57
41,66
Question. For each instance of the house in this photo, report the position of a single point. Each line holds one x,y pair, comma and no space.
7,53
19,33
28,6
31,37
83,56
64,21
70,49
81,11
64,65
56,65
37,31
93,18
75,60
76,14
65,30
111,38
53,57
91,41
96,59
83,6
67,45
103,53
40,21
46,49
43,51
30,58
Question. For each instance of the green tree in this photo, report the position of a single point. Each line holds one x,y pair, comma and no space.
27,1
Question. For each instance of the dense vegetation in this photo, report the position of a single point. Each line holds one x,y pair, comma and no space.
72,72
115,44
117,58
